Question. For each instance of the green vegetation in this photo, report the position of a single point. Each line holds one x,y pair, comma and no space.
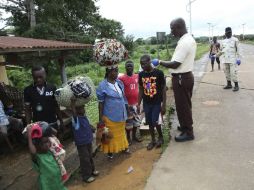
202,48
21,78
75,66
166,129
248,42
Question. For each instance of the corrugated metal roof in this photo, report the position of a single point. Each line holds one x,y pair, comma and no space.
19,44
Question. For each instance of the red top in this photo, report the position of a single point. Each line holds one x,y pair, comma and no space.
130,88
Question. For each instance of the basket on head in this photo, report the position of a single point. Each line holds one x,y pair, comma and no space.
80,87
109,52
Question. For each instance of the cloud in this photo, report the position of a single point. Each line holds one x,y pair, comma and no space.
143,18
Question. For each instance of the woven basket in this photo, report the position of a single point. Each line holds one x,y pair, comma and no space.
12,95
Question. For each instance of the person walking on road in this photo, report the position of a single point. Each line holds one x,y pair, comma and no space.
182,77
214,50
230,57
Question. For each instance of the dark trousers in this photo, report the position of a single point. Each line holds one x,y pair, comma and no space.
152,112
86,160
182,87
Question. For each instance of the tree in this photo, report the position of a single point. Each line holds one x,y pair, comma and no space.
31,12
153,40
128,42
60,19
106,28
65,20
140,41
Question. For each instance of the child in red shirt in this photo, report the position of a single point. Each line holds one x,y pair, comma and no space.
131,88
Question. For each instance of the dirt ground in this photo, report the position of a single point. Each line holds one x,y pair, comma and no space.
114,175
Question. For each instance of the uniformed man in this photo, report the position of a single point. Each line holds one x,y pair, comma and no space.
230,54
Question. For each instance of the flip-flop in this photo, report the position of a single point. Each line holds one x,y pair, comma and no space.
89,180
95,173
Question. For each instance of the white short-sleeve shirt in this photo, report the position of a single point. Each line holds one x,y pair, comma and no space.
185,53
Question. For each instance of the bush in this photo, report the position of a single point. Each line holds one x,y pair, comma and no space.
20,78
162,47
92,70
153,51
147,47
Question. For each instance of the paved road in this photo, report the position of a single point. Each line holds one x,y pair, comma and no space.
222,155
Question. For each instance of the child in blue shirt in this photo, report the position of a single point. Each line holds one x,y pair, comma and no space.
83,137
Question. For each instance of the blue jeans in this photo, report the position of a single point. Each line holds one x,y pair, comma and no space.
152,112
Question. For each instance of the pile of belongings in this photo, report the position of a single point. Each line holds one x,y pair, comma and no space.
82,88
108,52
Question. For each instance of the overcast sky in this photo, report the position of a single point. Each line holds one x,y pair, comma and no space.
143,18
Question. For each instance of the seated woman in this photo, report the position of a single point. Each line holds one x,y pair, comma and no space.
112,111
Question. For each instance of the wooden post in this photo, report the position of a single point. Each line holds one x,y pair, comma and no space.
62,69
3,74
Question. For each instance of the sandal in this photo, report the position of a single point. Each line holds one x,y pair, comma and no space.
127,151
89,180
150,145
110,156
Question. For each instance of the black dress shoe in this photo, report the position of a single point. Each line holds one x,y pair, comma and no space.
160,142
184,137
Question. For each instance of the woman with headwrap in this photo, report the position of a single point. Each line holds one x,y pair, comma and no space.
113,111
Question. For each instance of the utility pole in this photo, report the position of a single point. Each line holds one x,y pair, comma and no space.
243,29
212,29
188,9
209,30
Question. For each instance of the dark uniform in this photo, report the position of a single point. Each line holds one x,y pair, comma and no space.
43,103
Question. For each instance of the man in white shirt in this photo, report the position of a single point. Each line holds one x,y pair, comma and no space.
230,54
183,79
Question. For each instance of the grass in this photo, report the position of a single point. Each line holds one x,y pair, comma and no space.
92,112
166,129
201,50
248,42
